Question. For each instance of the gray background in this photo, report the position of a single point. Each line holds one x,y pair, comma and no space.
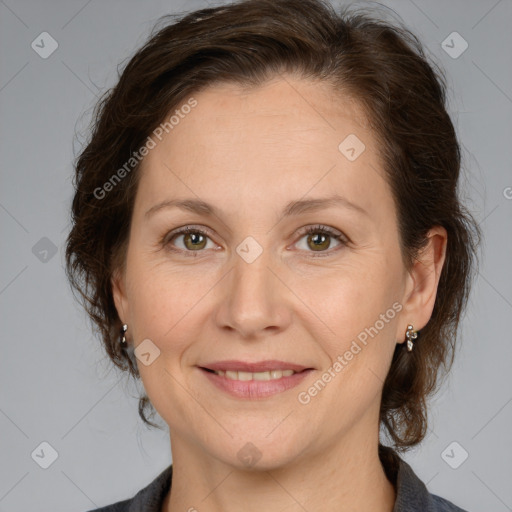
57,386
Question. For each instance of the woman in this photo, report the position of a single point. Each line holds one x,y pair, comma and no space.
267,233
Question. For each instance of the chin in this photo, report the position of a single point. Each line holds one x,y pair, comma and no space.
260,452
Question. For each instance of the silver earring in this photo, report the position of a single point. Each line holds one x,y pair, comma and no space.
123,330
410,334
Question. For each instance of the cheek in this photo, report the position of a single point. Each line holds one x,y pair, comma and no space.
359,348
357,312
349,299
162,308
162,302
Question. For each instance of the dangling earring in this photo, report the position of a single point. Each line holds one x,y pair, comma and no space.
123,337
410,334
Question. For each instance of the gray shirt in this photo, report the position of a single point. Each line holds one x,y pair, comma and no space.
411,493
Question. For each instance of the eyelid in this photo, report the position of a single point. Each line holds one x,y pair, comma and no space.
322,227
193,228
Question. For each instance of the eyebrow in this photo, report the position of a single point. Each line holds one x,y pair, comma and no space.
292,208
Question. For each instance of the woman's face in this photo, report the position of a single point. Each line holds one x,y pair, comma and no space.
256,286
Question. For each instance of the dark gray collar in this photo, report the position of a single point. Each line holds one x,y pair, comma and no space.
412,494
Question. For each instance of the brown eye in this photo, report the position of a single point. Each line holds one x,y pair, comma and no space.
319,239
193,240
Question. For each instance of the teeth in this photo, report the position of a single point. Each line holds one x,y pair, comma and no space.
271,375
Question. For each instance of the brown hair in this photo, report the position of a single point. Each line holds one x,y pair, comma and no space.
381,65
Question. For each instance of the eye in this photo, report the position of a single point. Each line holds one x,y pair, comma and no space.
194,239
319,238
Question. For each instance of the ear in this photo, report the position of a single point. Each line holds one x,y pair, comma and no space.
423,280
118,283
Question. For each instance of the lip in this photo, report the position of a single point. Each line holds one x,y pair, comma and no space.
261,366
254,389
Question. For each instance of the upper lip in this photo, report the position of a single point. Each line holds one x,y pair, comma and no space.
261,366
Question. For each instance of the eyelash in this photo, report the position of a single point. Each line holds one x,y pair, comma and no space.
324,230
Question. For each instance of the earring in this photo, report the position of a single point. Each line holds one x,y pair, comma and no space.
410,334
123,337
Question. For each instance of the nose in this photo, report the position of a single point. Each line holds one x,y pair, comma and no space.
255,301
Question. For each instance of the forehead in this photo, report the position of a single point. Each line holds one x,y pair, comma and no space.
279,141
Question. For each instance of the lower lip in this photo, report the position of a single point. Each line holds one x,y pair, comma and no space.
255,389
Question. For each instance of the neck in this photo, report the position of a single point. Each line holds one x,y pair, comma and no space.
346,476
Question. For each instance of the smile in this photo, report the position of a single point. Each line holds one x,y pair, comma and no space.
254,385
270,375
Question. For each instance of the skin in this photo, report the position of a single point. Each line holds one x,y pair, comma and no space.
249,152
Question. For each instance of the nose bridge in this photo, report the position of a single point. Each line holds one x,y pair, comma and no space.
252,278
253,300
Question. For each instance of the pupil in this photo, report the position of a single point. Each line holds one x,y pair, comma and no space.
319,240
194,239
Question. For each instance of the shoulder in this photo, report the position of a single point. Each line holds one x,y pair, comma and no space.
444,505
148,499
120,506
412,494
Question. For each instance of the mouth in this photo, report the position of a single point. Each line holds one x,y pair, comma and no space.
254,380
246,376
